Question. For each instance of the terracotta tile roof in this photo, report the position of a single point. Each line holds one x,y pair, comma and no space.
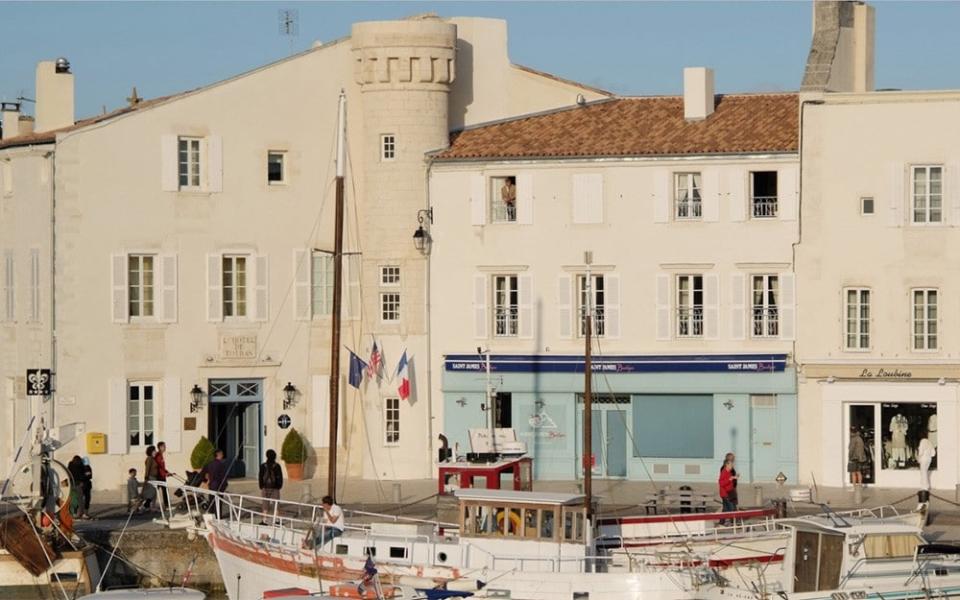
637,127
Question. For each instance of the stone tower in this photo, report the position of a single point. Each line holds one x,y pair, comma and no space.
404,70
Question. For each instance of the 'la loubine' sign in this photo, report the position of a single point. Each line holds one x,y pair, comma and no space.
540,363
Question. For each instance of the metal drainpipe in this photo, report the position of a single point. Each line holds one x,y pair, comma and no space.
426,285
53,274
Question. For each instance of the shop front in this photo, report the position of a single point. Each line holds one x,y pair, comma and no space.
666,418
893,410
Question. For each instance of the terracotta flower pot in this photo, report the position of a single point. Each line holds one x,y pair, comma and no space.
294,471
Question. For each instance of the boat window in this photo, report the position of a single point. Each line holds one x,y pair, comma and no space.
398,552
469,519
890,546
514,524
546,524
567,525
370,551
530,516
341,549
579,526
487,519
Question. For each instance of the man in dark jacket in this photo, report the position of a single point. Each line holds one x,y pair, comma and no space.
271,481
216,472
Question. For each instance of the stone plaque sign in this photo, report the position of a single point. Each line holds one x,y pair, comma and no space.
189,423
234,347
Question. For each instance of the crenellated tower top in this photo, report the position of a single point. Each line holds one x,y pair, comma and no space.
413,54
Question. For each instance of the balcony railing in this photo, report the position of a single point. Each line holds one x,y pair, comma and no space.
599,323
689,209
766,321
501,212
690,322
506,321
764,207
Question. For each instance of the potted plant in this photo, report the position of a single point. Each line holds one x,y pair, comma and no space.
294,454
202,454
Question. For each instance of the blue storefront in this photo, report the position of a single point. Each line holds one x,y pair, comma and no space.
669,418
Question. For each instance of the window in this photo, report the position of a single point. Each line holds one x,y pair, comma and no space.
866,205
322,292
503,199
140,296
140,410
690,306
857,328
672,425
388,146
927,194
391,421
765,297
389,275
503,410
234,285
686,196
390,307
34,284
596,297
8,287
763,194
924,319
506,302
276,171
188,158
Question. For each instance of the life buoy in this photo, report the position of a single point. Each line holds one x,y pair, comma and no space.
514,518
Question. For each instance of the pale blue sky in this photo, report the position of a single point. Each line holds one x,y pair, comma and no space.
626,47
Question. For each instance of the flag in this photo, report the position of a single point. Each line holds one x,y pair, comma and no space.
357,367
404,375
375,368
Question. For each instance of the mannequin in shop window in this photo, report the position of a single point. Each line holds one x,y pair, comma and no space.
925,454
898,428
932,430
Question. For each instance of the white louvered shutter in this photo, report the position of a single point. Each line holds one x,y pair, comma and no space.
952,181
214,163
118,285
525,289
588,198
737,197
525,199
896,195
611,305
169,175
478,205
320,430
352,266
711,306
710,194
565,305
738,306
480,295
261,283
663,306
168,288
214,288
302,274
788,306
171,413
787,195
662,182
118,440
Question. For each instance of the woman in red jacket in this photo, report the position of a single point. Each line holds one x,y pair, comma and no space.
727,485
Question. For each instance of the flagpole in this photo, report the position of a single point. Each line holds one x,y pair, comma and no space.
337,287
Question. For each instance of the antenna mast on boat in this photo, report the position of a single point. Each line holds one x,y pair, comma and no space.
337,286
587,390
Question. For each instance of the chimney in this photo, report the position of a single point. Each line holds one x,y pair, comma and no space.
697,93
10,113
841,53
26,124
54,95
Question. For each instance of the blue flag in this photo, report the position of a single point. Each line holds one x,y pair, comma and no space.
357,369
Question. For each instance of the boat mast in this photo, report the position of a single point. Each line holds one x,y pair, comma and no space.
337,286
587,391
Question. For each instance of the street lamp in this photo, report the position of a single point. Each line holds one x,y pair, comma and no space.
421,237
196,398
289,395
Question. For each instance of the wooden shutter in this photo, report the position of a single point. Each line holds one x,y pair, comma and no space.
588,198
896,195
738,306
737,194
320,433
611,305
787,193
480,295
952,184
214,163
351,287
303,285
261,283
171,413
663,306
118,283
662,183
788,306
214,287
525,199
525,289
710,194
168,288
34,284
478,204
118,440
565,305
169,175
711,306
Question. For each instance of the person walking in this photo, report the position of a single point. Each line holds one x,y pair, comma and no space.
75,467
727,485
161,458
151,472
87,486
216,472
271,481
133,492
856,456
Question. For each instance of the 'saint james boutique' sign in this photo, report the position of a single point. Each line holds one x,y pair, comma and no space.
882,373
238,346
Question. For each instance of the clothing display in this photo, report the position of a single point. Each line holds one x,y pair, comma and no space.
932,430
898,428
925,454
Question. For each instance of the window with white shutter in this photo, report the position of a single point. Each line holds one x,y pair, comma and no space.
663,306
564,305
302,267
141,285
588,198
480,326
168,288
214,287
738,306
261,288
926,194
34,284
235,270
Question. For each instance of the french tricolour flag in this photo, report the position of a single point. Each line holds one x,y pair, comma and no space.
404,374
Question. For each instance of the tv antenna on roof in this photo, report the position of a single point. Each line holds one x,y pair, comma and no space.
289,22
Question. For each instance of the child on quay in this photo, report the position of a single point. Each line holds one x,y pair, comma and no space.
134,498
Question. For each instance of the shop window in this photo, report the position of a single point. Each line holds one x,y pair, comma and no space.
673,426
903,426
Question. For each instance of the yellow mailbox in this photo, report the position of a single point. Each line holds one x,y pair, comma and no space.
96,443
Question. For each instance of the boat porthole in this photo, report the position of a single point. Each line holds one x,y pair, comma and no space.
442,557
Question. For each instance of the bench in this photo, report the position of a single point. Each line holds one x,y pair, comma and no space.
668,502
